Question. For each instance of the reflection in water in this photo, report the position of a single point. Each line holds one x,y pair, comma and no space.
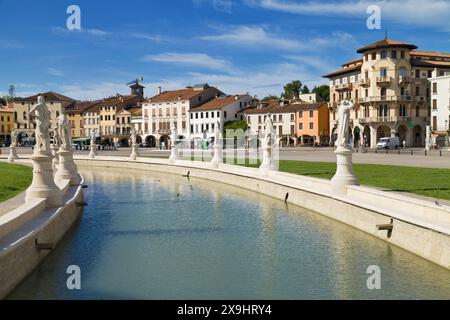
161,236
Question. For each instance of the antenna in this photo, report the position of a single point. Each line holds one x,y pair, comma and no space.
385,33
136,81
12,91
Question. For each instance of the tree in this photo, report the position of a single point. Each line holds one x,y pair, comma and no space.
292,89
305,89
323,91
269,97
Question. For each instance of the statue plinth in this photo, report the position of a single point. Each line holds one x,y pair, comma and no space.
344,175
12,154
173,154
93,151
67,168
218,156
267,163
134,152
43,184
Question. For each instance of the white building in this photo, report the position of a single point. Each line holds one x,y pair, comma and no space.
440,107
170,109
220,110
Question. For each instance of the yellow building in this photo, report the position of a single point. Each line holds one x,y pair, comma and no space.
24,124
75,115
6,124
390,90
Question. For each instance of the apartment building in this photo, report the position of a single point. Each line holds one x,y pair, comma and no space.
390,89
218,111
75,116
313,123
56,102
170,109
440,108
6,124
283,117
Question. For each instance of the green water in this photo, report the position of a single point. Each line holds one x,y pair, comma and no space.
159,236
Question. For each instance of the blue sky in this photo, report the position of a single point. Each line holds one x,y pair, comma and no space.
240,46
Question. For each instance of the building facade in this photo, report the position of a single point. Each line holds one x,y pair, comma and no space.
6,124
440,108
56,103
313,123
390,89
170,109
76,118
218,111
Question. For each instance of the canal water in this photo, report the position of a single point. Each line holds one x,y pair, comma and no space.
159,236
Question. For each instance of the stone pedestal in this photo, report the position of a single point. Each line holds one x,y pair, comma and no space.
43,184
173,154
67,168
134,152
344,171
12,154
218,156
267,163
55,160
93,151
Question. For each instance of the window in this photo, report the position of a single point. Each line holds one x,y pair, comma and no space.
218,114
280,118
192,116
417,73
430,73
300,114
311,113
393,54
383,72
201,115
366,74
292,130
402,54
383,54
417,91
383,92
402,71
402,111
402,91
248,119
196,115
224,114
300,126
311,125
434,87
417,111
434,123
374,56
292,117
434,104
259,119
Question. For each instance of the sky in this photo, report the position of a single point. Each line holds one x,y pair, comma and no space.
240,46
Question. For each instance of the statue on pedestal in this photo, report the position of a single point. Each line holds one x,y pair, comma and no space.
14,135
268,132
133,136
343,124
93,136
42,118
64,132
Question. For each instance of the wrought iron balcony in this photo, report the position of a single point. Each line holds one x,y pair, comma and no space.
343,87
384,81
364,82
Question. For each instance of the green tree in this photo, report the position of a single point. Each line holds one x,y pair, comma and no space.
292,89
269,97
305,89
235,125
323,91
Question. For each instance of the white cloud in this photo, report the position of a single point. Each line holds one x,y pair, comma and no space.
258,37
83,31
93,91
146,36
189,59
434,13
219,5
55,72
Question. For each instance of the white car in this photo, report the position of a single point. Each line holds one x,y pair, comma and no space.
388,143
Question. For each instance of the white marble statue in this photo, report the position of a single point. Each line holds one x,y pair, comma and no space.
133,137
14,135
56,139
268,133
343,123
217,133
64,132
42,118
173,136
93,136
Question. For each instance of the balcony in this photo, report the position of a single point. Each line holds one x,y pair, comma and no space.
364,82
393,119
385,99
384,81
343,87
404,80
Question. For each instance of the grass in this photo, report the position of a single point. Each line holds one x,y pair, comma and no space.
13,180
428,182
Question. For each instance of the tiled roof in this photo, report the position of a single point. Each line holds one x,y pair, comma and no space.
119,102
80,106
290,108
342,71
136,111
386,43
430,63
182,94
356,60
49,96
217,103
433,54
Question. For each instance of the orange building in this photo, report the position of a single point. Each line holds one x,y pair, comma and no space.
313,123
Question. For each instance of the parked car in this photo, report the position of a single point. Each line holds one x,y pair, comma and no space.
388,143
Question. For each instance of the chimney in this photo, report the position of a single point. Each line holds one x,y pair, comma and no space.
159,90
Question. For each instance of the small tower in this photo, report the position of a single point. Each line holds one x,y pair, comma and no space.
136,87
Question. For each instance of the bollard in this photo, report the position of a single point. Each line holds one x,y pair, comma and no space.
440,153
